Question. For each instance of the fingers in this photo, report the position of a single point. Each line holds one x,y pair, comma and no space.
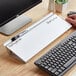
71,21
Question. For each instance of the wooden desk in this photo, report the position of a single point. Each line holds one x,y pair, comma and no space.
12,67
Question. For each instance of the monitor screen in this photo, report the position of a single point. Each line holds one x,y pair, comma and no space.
9,9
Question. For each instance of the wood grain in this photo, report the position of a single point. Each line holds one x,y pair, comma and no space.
12,67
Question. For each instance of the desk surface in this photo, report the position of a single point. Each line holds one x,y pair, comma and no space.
12,67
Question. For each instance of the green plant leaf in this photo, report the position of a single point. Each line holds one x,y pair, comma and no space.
61,1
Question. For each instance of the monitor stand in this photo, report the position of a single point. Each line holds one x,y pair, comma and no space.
15,24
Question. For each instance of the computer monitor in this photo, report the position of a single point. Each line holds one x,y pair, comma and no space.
12,14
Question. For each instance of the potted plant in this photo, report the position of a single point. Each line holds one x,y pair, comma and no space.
61,5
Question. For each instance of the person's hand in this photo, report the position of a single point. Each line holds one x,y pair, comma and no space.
72,20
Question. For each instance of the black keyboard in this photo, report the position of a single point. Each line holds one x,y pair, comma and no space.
60,58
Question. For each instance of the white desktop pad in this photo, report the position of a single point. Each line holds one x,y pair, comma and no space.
38,36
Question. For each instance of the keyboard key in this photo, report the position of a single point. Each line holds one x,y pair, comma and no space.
70,62
53,71
50,69
56,73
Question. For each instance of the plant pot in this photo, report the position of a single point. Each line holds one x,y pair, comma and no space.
61,7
